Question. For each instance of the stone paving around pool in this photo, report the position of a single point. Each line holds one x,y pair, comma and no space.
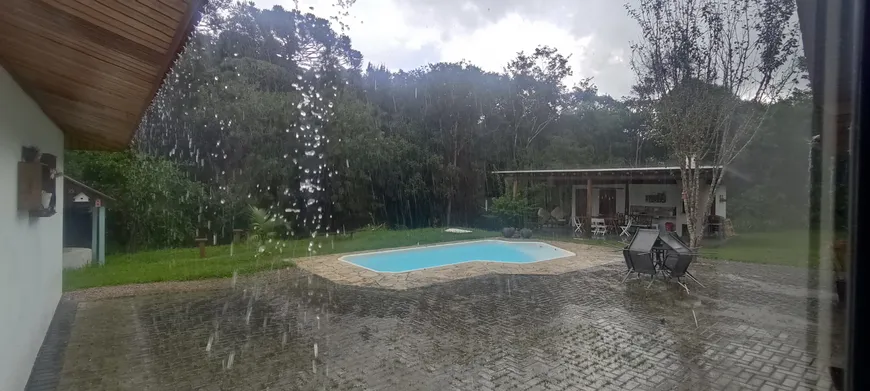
333,268
578,330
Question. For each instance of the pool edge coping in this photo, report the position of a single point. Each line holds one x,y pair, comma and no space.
408,248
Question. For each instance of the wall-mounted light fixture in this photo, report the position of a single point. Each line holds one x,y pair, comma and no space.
721,197
37,182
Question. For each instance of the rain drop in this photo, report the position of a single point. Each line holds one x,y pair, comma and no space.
230,360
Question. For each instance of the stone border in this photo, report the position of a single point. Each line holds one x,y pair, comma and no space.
333,268
344,257
46,371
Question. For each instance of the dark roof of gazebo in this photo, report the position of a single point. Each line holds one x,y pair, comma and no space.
673,171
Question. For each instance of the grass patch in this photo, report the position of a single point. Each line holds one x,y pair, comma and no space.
184,264
780,248
609,243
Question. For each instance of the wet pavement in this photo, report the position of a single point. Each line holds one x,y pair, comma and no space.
574,331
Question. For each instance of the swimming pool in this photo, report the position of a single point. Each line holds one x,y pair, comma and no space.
410,259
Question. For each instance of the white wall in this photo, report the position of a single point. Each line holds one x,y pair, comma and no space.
30,248
637,194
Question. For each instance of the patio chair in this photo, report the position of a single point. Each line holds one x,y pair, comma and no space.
599,227
625,227
638,254
578,225
676,263
640,263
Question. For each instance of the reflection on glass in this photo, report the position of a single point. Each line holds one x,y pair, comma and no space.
677,173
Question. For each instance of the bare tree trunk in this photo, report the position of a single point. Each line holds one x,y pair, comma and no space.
697,211
451,190
449,210
637,153
690,175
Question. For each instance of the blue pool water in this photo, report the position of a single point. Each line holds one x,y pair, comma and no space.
405,260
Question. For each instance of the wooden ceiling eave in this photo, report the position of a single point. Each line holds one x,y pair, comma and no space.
93,66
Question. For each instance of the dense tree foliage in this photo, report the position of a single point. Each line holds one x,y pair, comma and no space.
155,205
274,109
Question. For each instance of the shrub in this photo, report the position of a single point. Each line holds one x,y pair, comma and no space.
512,211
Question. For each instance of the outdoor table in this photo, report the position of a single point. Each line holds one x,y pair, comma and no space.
660,253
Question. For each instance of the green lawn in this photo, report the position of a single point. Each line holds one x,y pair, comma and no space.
785,248
184,263
781,248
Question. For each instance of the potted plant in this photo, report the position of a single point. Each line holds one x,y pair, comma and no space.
526,233
841,250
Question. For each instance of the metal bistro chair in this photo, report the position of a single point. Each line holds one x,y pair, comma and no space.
599,227
578,226
638,254
625,228
676,263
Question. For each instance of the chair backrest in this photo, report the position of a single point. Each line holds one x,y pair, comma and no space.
672,240
642,262
643,240
678,264
597,222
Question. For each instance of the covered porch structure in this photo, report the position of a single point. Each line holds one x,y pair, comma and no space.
645,196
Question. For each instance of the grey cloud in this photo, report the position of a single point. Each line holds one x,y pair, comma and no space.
405,59
606,20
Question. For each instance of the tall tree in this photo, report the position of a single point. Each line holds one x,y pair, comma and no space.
536,97
698,63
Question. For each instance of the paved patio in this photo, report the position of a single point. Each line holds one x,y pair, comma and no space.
580,330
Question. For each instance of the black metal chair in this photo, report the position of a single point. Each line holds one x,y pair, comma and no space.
638,254
627,255
676,263
644,263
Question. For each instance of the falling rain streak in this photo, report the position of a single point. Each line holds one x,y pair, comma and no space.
263,176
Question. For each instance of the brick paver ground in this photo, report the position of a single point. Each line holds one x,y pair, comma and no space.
580,330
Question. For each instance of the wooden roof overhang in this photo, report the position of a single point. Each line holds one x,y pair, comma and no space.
93,66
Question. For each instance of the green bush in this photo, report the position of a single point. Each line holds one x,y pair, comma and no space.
513,211
156,204
264,229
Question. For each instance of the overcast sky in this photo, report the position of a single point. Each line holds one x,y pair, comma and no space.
405,34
